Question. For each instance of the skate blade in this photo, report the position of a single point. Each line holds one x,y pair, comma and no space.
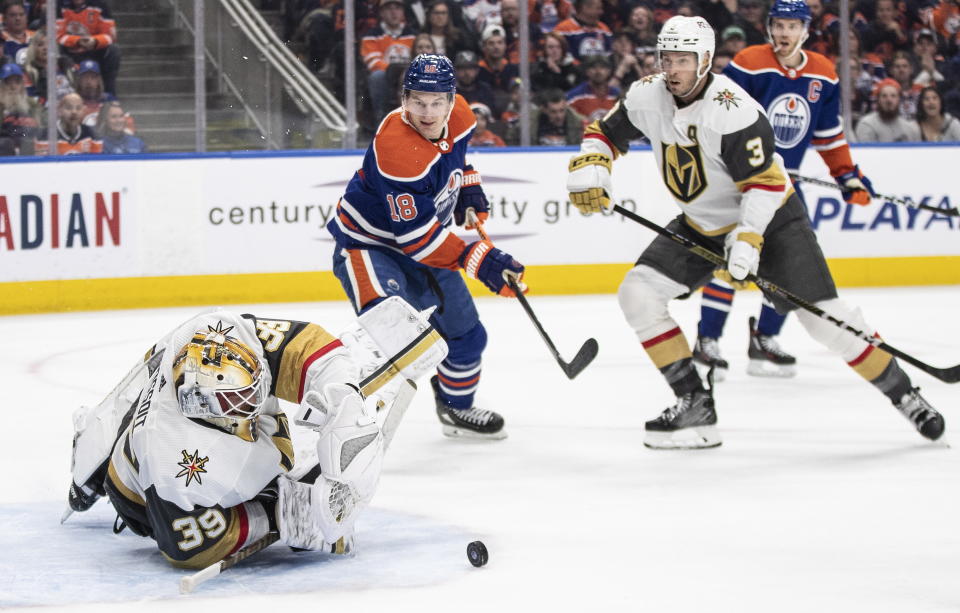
719,374
763,368
700,437
464,433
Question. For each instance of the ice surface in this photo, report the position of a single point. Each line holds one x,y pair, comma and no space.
822,497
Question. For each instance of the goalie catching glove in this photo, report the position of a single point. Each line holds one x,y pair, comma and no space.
589,182
855,187
494,268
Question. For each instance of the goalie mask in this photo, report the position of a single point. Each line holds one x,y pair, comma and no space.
220,380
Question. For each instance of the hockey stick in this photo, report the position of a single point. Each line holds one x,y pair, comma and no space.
947,375
587,351
954,212
396,412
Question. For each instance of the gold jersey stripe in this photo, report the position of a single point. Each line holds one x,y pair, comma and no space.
594,128
310,340
217,551
118,483
400,361
669,351
771,176
281,438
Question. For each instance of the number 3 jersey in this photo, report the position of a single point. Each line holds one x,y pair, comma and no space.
715,155
403,197
192,486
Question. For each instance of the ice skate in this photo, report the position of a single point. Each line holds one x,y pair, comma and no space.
706,355
689,424
921,413
767,359
467,423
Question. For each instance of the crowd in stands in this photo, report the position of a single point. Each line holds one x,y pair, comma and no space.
904,59
90,119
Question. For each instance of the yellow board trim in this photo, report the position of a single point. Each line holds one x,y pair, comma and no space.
153,292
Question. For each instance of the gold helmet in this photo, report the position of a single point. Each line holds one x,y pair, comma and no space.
220,379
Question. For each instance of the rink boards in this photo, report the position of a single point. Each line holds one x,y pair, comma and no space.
239,228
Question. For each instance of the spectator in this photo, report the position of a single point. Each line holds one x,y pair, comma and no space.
935,125
824,30
422,44
73,136
553,123
448,39
733,40
641,27
15,35
864,84
648,65
946,21
546,14
593,98
482,136
556,68
21,114
886,125
625,61
662,11
495,69
314,30
467,67
481,13
885,34
35,70
510,16
901,71
91,88
751,17
390,42
112,127
931,62
720,61
86,32
585,33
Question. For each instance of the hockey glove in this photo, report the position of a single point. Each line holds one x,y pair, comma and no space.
492,267
589,182
471,197
743,252
856,188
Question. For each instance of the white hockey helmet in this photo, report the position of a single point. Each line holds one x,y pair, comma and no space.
219,379
693,34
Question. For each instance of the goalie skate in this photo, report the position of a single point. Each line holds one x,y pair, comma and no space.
767,359
467,423
706,355
689,424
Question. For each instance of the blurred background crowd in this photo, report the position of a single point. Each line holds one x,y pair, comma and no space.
904,63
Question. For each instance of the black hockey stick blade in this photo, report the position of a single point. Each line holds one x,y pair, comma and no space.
582,359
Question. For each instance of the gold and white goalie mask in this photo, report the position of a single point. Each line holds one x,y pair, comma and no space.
220,380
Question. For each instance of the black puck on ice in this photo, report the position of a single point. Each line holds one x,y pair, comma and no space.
477,553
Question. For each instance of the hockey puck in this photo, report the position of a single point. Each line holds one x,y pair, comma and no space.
477,553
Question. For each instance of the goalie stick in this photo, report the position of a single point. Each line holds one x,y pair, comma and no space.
396,412
954,212
947,375
587,351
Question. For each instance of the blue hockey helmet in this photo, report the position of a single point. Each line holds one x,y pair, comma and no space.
790,9
430,73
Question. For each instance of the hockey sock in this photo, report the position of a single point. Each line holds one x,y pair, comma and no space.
714,308
682,376
770,322
458,383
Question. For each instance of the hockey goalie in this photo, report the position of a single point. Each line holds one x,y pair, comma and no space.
193,449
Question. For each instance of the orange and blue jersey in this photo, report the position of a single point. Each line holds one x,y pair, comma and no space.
584,40
380,47
88,21
590,105
802,104
403,197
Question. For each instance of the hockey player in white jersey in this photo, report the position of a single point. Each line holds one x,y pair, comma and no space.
716,153
192,447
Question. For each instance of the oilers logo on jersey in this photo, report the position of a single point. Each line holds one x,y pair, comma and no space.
446,198
790,118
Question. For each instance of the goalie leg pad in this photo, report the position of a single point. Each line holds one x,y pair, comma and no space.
643,296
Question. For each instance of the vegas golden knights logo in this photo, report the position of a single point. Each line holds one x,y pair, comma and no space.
683,170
